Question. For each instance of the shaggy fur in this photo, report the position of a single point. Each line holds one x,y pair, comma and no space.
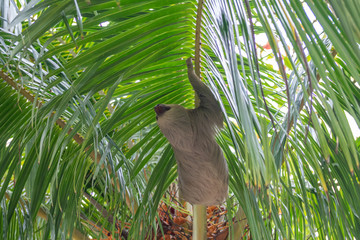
202,168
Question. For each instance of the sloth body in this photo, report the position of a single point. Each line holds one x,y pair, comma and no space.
202,168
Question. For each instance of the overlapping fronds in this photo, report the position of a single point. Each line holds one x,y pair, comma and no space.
81,155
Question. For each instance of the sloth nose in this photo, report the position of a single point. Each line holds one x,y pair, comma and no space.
157,109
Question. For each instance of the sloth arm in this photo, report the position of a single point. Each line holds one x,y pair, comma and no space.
209,108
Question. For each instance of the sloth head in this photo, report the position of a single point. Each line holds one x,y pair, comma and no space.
173,120
169,114
160,109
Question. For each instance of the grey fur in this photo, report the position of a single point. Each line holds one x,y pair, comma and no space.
202,168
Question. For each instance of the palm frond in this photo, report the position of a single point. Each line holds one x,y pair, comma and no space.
81,155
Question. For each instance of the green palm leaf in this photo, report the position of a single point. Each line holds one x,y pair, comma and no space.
81,155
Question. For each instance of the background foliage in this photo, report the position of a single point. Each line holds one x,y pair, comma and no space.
81,155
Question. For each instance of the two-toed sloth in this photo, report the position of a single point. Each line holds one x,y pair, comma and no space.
202,168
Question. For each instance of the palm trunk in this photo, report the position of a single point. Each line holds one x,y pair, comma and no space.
199,222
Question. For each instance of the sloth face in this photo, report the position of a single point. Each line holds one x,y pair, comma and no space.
160,109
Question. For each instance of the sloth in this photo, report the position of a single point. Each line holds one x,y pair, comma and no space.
201,165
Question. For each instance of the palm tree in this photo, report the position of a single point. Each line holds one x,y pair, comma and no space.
81,155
